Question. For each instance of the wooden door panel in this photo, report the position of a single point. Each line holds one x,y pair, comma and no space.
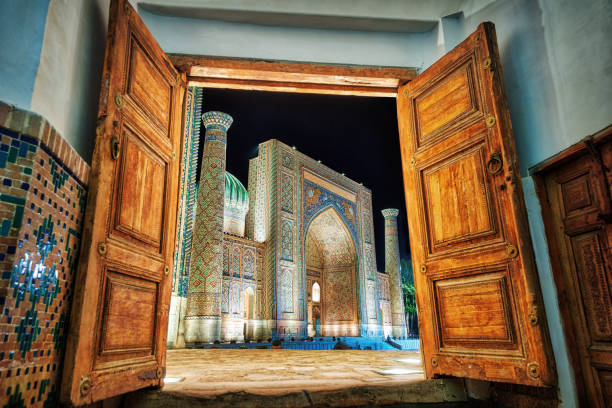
457,200
141,264
148,85
129,307
480,307
594,283
142,187
605,379
475,311
122,289
447,102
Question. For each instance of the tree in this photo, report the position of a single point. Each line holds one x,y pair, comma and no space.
409,296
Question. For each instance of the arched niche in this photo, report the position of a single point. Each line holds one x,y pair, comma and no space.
331,265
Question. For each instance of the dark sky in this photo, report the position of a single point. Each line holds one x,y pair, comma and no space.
357,136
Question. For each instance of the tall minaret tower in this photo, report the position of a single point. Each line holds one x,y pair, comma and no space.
203,314
392,268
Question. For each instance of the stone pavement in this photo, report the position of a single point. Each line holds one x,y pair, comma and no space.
212,372
296,378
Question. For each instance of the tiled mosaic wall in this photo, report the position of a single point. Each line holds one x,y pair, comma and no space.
241,276
42,195
188,193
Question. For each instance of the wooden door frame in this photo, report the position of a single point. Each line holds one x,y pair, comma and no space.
295,77
565,296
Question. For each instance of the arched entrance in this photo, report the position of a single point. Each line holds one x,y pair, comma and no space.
331,270
249,313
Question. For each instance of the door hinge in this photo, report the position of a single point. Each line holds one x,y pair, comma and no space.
102,248
490,121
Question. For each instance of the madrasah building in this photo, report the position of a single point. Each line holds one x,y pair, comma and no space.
293,256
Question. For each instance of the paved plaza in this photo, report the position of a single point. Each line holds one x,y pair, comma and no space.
216,371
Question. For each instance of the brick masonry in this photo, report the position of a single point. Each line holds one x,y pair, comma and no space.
43,185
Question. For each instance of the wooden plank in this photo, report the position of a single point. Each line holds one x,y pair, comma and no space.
292,87
287,71
297,77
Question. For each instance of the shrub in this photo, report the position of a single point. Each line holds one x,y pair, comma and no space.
293,339
276,342
243,347
262,347
269,339
232,341
216,342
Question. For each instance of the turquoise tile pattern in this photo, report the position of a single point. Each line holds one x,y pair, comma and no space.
41,208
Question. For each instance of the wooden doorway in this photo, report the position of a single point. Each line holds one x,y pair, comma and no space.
114,276
576,185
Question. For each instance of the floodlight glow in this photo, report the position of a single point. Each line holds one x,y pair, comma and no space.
173,379
399,371
409,360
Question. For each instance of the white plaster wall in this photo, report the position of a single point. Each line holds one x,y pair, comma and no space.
68,79
22,24
208,37
390,9
577,36
567,383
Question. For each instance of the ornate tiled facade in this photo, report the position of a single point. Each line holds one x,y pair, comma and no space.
305,224
43,187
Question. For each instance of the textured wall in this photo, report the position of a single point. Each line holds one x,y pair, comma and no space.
188,191
22,24
42,195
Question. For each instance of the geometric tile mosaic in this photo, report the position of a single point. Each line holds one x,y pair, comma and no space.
42,198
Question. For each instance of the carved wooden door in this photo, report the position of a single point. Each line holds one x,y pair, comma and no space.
581,243
480,308
119,317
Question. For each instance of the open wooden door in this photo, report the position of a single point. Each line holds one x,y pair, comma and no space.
117,337
480,309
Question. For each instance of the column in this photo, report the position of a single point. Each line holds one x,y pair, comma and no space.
392,268
203,315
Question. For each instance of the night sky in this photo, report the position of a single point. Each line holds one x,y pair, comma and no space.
354,135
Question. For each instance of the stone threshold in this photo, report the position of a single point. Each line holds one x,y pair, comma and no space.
427,393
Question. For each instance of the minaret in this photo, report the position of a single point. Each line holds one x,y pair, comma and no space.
203,314
392,268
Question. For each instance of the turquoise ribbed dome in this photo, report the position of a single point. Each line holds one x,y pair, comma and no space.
236,196
236,206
